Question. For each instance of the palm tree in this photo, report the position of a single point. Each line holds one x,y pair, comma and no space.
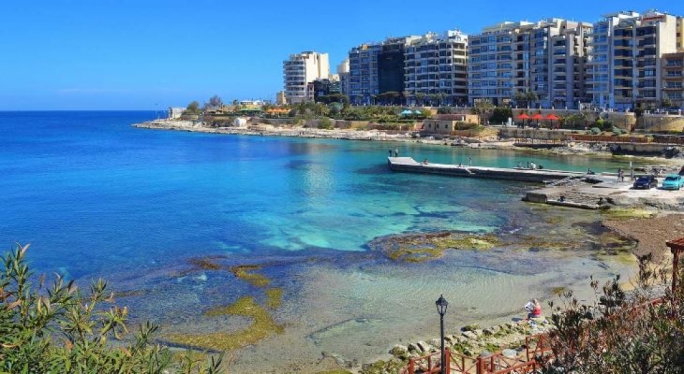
405,94
420,97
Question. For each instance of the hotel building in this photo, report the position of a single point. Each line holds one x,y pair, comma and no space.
435,69
546,58
300,70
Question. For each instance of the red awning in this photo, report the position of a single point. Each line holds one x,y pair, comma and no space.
552,117
523,116
537,116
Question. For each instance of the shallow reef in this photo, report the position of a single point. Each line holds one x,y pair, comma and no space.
626,214
245,272
424,247
262,327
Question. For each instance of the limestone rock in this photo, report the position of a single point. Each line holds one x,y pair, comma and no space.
399,351
423,347
413,348
469,334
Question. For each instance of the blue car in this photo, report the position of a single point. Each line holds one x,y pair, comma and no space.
673,182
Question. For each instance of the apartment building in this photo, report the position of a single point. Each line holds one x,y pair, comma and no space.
391,65
545,58
435,70
343,73
377,68
625,64
672,73
300,70
363,73
569,52
600,64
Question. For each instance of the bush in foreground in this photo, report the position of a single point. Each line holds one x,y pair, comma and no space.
622,333
60,329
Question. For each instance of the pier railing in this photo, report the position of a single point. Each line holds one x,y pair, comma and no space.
536,347
498,363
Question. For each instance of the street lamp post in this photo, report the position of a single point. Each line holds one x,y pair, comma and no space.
442,305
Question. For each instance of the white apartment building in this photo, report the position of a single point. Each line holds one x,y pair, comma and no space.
302,69
639,44
569,52
600,72
435,70
521,57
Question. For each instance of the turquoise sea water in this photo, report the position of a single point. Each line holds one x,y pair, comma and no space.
96,197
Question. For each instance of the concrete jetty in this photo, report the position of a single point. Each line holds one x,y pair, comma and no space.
409,165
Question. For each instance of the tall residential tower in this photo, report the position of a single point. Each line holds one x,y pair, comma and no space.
300,70
543,59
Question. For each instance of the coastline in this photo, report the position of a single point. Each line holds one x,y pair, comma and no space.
267,130
487,142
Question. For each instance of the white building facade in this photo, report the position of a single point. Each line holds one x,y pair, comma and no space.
302,69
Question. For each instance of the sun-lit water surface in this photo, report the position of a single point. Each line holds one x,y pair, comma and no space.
95,197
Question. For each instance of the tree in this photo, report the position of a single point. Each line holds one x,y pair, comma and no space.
192,108
60,329
420,97
441,96
501,115
620,334
525,98
214,102
405,94
481,107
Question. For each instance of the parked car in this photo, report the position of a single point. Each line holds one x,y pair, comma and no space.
646,182
673,182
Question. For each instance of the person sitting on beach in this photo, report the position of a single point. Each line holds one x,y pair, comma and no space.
533,308
589,171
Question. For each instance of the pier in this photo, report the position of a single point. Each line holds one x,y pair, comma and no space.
409,165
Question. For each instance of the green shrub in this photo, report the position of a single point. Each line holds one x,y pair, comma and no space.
500,115
594,131
60,329
325,123
620,334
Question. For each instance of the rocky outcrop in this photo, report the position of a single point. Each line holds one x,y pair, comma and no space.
473,343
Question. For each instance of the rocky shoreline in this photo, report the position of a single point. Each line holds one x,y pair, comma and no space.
650,233
486,142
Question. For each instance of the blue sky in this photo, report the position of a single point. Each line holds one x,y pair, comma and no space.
148,54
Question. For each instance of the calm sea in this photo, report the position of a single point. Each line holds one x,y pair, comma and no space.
96,197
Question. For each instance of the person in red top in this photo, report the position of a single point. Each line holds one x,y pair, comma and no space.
533,308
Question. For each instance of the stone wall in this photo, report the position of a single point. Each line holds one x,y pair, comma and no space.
661,123
622,120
